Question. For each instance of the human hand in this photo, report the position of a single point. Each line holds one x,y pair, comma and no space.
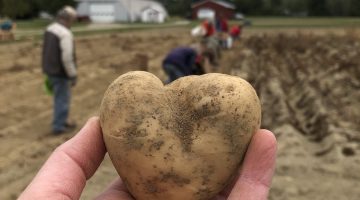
65,173
255,176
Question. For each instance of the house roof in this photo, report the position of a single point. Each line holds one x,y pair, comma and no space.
139,5
221,3
150,8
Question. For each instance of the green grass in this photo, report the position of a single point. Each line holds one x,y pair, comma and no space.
135,27
304,22
38,24
118,30
32,24
257,23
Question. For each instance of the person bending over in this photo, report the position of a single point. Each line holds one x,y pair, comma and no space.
186,61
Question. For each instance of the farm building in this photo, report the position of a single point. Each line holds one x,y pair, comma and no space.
109,11
152,15
212,8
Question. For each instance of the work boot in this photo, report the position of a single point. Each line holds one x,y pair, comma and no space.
68,127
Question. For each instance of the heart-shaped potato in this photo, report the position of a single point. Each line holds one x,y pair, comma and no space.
184,141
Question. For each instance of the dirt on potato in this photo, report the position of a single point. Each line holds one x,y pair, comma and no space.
309,85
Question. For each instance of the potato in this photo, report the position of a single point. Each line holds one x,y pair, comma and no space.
184,141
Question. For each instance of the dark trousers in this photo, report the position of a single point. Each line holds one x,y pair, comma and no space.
173,72
62,93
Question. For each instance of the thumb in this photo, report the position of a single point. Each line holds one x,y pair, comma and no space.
258,169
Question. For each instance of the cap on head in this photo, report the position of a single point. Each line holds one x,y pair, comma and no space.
67,13
71,11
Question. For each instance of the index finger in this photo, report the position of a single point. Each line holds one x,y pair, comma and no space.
65,173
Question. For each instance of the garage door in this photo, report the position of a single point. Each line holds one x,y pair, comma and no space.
102,13
206,13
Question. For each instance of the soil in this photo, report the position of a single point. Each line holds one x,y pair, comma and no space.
308,82
309,86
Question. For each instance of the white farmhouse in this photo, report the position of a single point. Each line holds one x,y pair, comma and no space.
152,15
110,11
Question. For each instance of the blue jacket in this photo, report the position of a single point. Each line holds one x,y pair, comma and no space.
183,58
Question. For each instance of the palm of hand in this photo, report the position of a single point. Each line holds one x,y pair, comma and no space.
65,173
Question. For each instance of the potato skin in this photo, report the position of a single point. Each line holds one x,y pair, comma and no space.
186,140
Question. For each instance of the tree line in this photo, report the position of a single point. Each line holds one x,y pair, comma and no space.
300,7
23,9
279,7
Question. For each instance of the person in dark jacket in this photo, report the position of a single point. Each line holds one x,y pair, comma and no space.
179,63
59,65
185,61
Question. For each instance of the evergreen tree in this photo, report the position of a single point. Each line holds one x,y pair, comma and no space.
53,6
317,8
339,7
19,9
355,8
31,8
295,7
16,8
